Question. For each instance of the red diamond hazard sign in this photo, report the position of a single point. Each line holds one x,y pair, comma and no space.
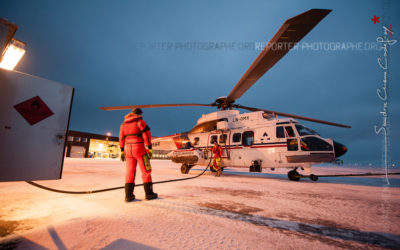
34,110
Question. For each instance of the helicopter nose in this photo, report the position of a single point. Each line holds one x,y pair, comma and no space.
340,149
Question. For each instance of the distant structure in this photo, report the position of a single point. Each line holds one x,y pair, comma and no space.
89,145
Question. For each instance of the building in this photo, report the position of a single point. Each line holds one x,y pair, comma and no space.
89,145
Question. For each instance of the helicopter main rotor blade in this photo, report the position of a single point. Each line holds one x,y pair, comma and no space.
291,32
293,116
155,106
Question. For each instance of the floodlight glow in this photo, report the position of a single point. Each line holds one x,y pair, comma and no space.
14,52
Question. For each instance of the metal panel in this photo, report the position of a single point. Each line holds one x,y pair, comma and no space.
313,157
34,118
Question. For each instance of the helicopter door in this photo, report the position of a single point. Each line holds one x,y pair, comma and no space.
247,151
210,143
221,139
235,150
287,141
292,142
224,142
287,134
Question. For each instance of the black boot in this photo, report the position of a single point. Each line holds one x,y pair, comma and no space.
129,196
148,188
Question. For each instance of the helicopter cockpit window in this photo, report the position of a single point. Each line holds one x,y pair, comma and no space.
222,139
237,137
289,131
314,144
279,132
305,131
213,139
248,138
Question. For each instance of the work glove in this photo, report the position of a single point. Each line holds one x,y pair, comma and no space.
150,153
123,156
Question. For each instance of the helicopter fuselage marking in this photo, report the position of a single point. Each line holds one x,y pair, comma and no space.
242,118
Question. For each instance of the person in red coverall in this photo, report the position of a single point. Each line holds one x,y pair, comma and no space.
217,155
134,134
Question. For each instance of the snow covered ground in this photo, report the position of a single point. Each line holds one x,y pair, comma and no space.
238,210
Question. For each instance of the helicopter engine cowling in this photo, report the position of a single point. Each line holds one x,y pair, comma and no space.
186,156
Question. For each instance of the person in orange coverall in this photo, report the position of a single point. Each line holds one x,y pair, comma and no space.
217,154
134,134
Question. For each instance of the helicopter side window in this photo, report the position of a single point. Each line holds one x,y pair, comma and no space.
279,132
222,139
214,138
237,137
196,141
289,131
248,138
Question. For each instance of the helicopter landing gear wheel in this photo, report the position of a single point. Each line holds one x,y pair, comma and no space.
313,177
212,169
293,175
185,168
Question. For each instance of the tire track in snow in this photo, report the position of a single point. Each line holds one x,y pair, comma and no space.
373,238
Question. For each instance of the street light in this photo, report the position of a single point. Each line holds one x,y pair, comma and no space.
14,52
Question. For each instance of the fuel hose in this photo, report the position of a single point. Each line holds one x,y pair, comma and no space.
112,188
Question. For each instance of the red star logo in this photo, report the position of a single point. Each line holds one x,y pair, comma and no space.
375,19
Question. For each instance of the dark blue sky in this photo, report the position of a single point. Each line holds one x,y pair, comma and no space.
116,53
